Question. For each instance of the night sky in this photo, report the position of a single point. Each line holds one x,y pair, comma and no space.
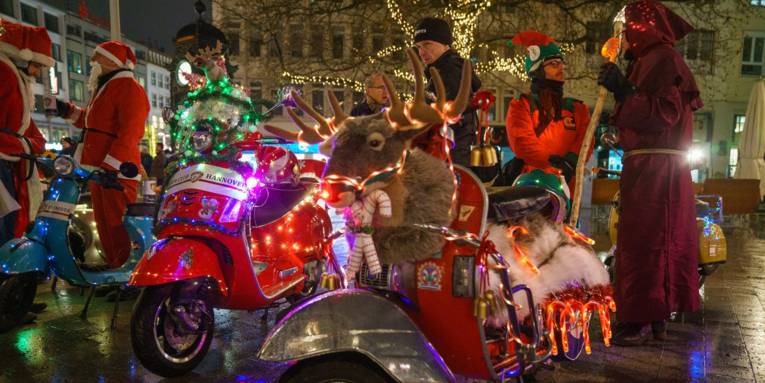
152,22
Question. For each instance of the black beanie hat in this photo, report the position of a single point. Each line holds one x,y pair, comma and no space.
431,28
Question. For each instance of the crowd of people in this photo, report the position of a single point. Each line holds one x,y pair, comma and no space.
655,98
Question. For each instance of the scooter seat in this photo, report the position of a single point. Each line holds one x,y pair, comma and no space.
276,202
141,209
517,202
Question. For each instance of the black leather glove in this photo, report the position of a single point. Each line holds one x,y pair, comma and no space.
566,164
62,108
611,78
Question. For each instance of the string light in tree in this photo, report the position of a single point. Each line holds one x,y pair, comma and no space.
337,82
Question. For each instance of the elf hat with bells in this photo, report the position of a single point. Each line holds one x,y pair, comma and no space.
539,47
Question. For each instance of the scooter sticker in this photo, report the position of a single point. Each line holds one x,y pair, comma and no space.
209,206
465,212
187,259
429,276
56,209
209,178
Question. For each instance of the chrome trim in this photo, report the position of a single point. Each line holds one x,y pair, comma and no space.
358,321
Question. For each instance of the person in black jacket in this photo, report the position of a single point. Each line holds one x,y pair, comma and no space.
433,38
375,97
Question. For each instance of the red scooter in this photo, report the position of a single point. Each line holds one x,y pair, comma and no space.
227,237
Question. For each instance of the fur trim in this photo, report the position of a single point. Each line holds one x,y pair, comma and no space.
9,49
43,59
26,54
560,260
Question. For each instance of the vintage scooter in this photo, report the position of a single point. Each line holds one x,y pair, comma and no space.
415,323
47,249
228,238
713,248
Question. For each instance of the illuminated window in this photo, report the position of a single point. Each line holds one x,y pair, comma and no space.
74,62
76,90
738,125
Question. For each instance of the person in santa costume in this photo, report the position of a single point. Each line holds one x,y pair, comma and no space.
113,125
24,52
545,129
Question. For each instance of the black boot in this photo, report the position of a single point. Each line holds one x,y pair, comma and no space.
659,330
630,334
38,307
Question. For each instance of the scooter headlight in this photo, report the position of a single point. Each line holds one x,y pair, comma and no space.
63,165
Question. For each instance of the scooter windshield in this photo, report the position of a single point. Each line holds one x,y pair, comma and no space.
205,195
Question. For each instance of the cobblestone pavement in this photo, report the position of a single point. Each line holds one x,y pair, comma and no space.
723,343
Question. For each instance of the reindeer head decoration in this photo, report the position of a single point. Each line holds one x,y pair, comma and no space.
366,151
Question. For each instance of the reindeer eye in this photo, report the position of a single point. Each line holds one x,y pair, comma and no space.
376,141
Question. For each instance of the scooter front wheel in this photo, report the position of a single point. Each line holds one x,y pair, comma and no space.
17,293
171,328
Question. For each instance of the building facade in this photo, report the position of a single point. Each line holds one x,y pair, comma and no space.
74,38
725,53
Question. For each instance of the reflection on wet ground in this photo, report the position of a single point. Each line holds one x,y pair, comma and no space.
723,343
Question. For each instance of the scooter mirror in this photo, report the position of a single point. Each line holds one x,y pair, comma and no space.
128,169
609,139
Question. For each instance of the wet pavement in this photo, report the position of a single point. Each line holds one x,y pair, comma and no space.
725,342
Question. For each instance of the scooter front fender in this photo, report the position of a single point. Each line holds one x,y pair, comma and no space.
356,321
178,259
21,255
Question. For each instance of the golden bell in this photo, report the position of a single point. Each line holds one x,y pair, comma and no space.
475,156
483,309
491,300
488,156
494,157
328,281
334,283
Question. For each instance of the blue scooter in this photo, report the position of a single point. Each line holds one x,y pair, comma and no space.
46,249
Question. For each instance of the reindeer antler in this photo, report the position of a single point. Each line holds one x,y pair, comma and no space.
418,114
324,127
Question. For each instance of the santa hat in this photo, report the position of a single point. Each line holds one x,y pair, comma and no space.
117,53
26,43
539,47
37,46
11,38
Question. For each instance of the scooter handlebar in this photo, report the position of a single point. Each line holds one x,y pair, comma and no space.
106,179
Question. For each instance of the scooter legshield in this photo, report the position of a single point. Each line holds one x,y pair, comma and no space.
178,259
21,255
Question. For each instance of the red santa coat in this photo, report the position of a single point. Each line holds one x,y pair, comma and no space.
113,124
20,135
657,244
557,139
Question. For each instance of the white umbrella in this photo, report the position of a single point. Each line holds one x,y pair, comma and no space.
751,164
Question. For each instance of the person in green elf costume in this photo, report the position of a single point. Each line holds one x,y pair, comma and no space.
545,129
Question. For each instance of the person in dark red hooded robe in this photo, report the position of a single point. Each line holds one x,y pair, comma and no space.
657,244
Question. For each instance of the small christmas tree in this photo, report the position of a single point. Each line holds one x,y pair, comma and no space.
215,114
